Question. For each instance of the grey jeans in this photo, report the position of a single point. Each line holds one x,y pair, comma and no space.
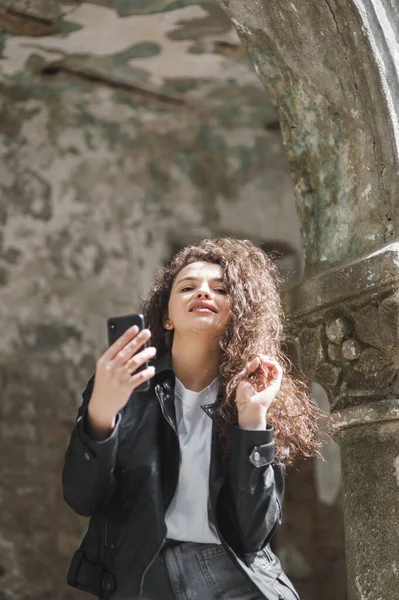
190,571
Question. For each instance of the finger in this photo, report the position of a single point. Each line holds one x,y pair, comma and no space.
274,368
139,359
139,378
120,343
267,359
132,347
253,365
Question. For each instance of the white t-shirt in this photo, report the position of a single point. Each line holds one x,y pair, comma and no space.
187,516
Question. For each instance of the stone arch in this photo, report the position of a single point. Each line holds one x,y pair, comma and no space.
330,69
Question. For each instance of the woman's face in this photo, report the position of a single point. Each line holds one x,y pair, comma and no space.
198,300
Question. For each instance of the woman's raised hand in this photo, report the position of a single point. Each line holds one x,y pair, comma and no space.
256,393
116,378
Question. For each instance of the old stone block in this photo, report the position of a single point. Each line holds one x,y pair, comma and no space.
351,349
311,349
338,329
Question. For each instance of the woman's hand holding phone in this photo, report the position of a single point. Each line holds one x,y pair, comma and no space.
116,379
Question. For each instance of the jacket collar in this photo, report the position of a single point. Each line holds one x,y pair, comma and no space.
163,365
213,411
164,372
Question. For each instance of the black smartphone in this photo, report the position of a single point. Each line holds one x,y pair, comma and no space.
116,326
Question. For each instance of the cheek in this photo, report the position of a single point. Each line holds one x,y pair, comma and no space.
174,306
170,307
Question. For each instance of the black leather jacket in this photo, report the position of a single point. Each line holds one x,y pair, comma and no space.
126,482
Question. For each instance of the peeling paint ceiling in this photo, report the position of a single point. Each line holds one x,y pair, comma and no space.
182,49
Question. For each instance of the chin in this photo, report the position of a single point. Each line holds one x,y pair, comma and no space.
202,326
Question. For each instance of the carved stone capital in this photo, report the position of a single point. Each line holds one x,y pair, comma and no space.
345,325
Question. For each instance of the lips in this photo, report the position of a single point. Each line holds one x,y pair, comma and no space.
203,305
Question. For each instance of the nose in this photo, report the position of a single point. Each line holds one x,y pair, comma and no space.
204,292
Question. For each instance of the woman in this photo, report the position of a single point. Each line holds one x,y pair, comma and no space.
184,483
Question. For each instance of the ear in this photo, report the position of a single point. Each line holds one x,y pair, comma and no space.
167,324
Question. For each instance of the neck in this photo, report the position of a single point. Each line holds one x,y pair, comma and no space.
195,364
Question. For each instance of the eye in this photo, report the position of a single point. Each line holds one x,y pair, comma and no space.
187,288
221,291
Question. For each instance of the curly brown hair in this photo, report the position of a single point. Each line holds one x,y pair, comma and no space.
255,326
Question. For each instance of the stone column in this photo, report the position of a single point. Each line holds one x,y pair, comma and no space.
345,323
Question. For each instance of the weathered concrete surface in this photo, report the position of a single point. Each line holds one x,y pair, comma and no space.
331,70
371,464
124,135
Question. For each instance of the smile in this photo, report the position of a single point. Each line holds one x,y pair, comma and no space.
202,308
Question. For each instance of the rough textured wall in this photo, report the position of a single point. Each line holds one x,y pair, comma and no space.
122,137
124,133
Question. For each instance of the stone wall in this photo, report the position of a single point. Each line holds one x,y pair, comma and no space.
124,134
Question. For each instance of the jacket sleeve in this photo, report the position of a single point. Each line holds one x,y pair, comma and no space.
87,478
254,492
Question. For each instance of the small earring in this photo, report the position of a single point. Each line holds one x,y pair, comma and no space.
167,325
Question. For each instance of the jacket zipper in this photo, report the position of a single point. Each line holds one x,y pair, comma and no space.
106,532
213,508
163,538
166,417
225,544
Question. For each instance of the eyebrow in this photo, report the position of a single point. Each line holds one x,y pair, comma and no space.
188,278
